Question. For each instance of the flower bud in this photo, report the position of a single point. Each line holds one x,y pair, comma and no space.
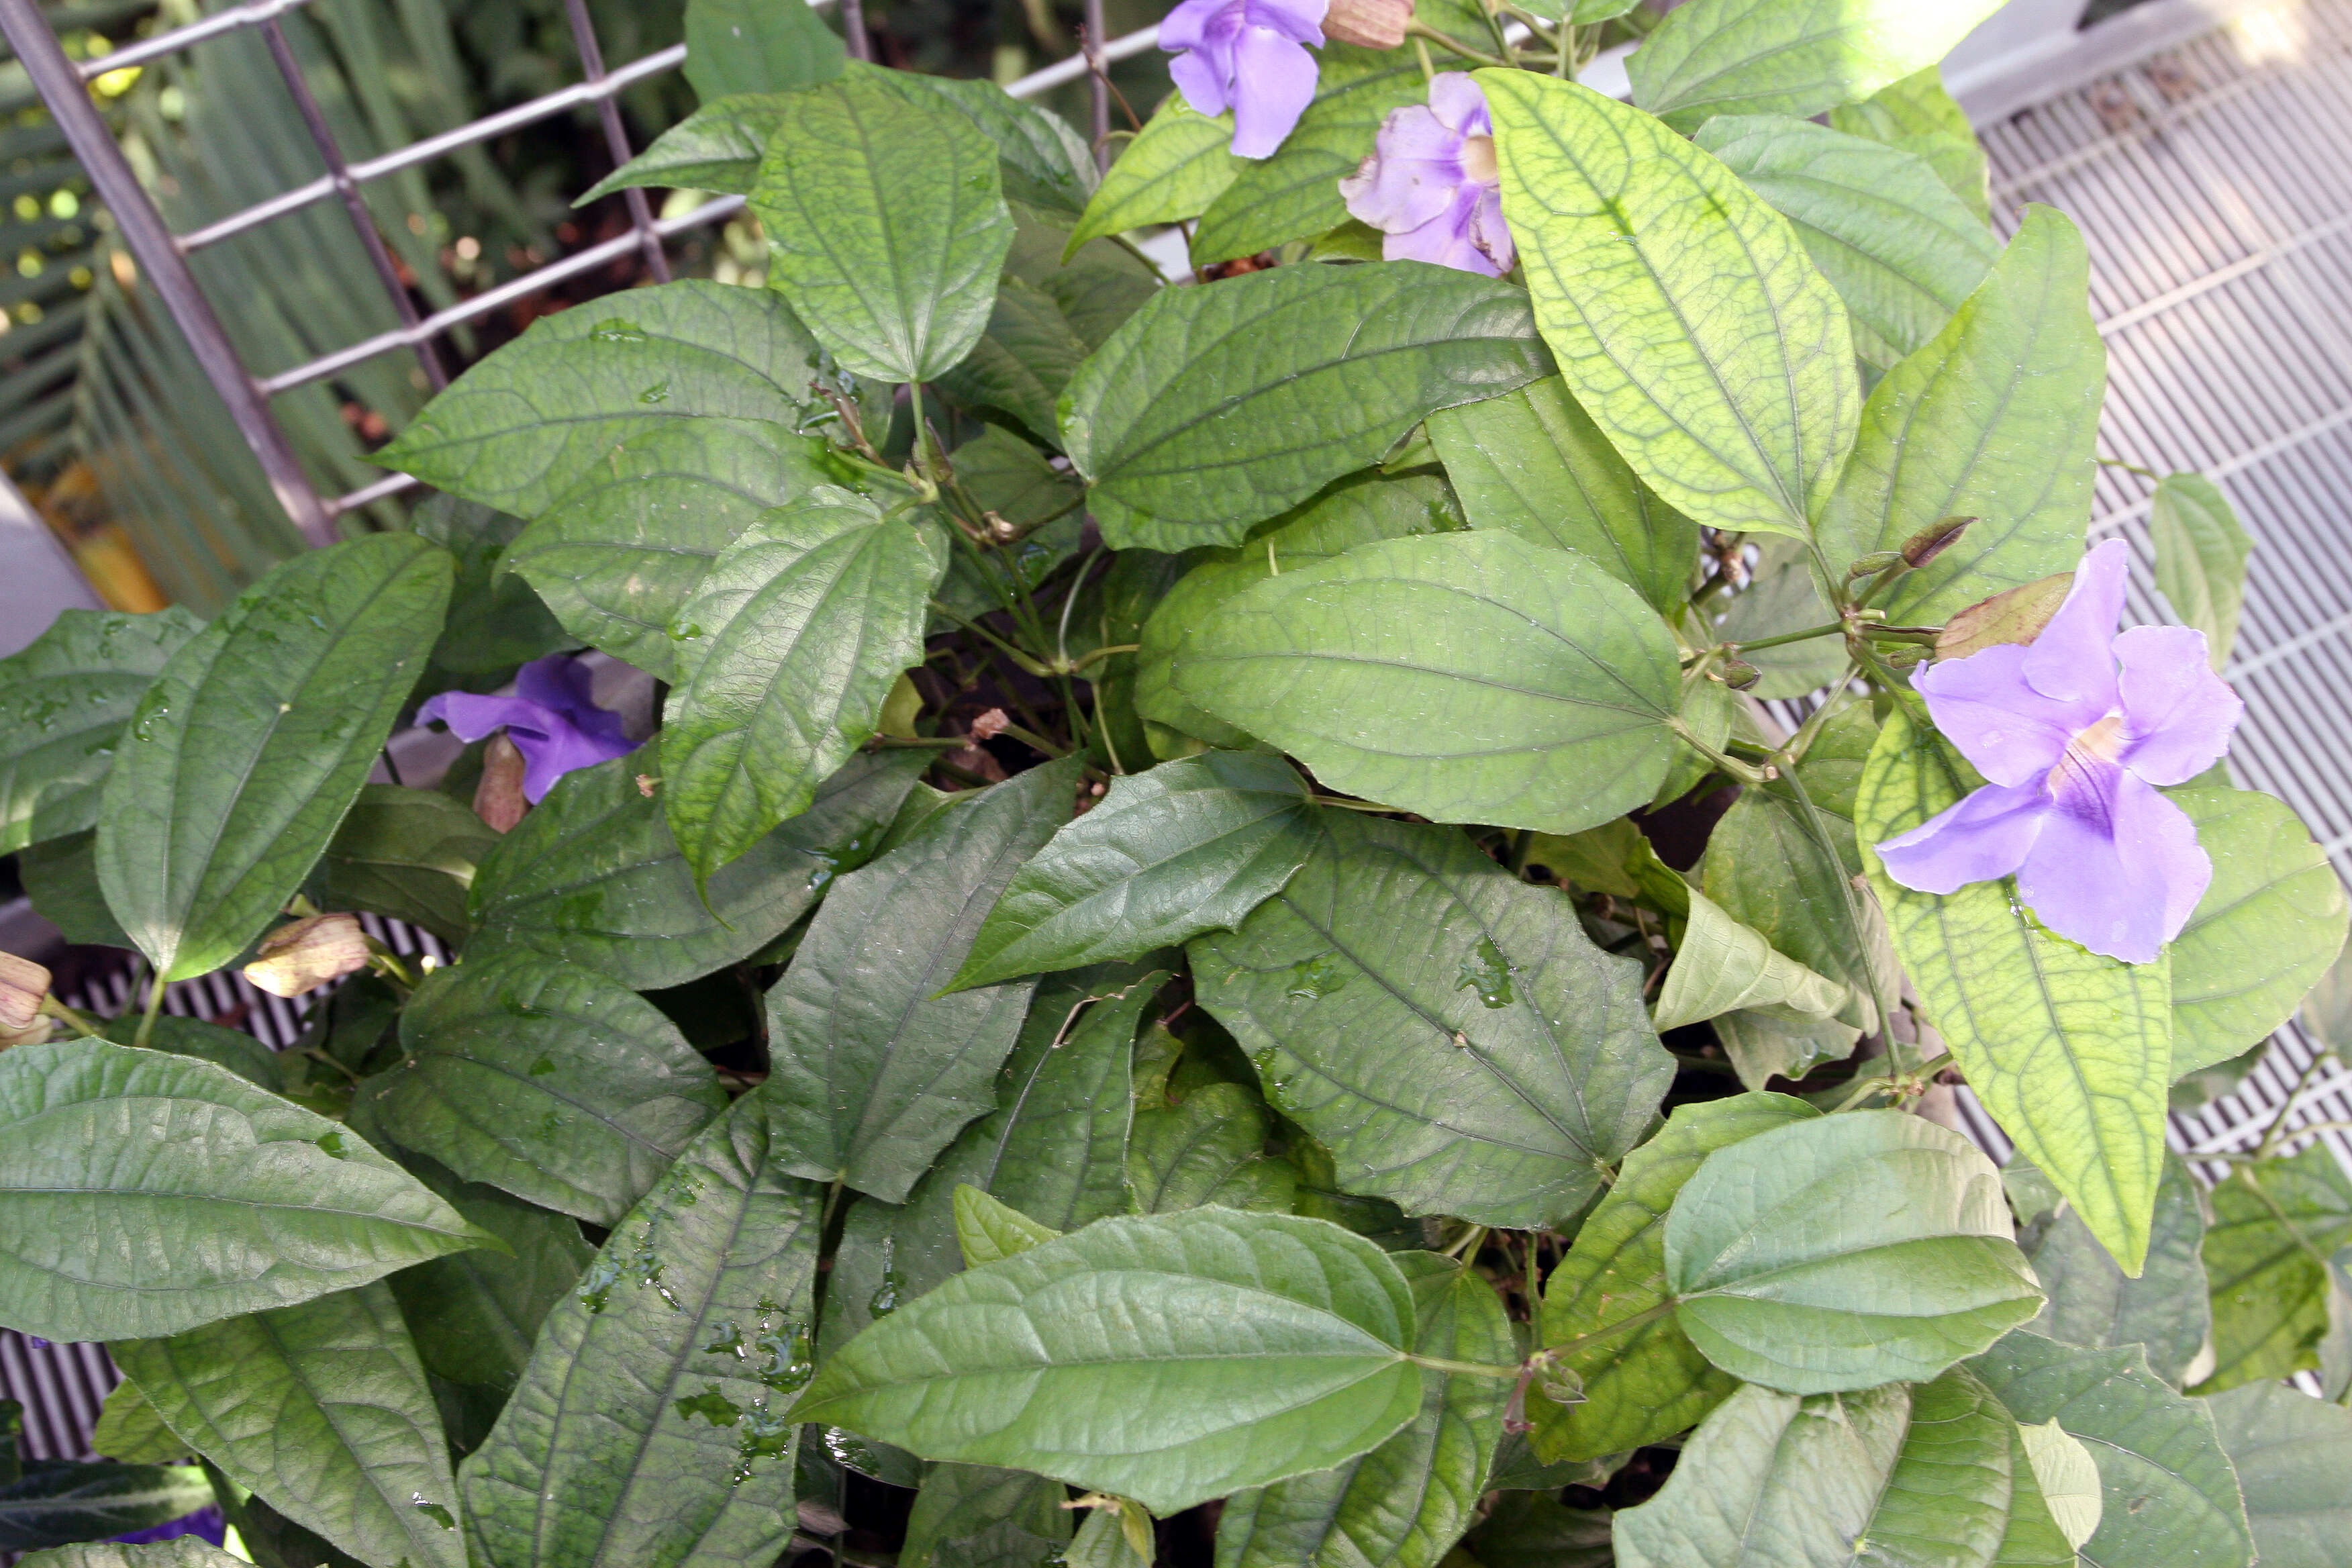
1368,24
24,986
1871,565
1739,674
1933,541
499,799
307,953
2013,615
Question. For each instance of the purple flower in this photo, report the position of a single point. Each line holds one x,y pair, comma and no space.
1431,184
2075,748
551,719
205,1523
1248,55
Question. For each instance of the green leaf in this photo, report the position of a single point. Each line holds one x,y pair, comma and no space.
1901,249
591,875
1445,1030
1722,965
2275,1224
1044,162
757,45
547,1079
885,224
1208,1149
1768,1043
785,653
181,1551
1844,1252
2170,1500
1994,419
64,700
58,1502
234,1049
1918,116
961,1504
1173,170
1686,316
2201,559
2292,1454
1468,677
717,148
1536,1530
650,1428
2094,1304
2067,1478
1021,360
530,422
872,1072
1727,57
407,853
1186,445
62,879
1406,1502
988,1230
130,1432
261,1204
253,740
1532,462
322,1408
2070,1051
1245,1348
618,554
1191,847
1108,1537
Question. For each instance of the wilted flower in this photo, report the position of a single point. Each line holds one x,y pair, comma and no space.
1368,24
552,718
2077,731
1248,55
305,954
1432,185
23,988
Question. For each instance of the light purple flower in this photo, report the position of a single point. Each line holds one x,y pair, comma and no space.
552,718
1249,56
1432,186
2076,731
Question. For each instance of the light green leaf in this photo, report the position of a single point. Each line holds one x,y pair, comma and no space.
717,148
55,1501
1210,1149
873,1073
1531,462
1245,1348
757,45
64,700
2274,1227
407,853
1173,170
1186,445
2201,559
1728,56
961,1504
1445,1030
1468,677
2093,1304
253,740
1107,1539
1404,1503
1722,965
1994,419
1021,360
547,1079
988,1230
2067,1477
181,1551
1901,249
785,652
530,422
886,225
1190,846
260,1203
2292,1454
591,875
650,1428
1844,1252
2070,1051
130,1432
1686,316
2170,1500
1918,116
323,1409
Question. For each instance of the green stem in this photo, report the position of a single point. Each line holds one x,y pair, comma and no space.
1648,1315
1725,764
1808,635
1033,665
71,1019
1423,30
1467,1368
2277,1128
1034,741
1346,804
154,1010
2129,468
1789,756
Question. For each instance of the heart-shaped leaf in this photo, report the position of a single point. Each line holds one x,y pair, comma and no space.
1725,57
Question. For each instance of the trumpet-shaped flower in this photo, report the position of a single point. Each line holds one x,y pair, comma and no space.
1248,55
552,718
1432,185
2075,731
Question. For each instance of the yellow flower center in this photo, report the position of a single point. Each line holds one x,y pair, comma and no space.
1478,159
2102,742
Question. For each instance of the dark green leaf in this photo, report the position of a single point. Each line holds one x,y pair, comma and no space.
255,739
1170,173
61,878
2200,558
1729,56
715,148
1536,1530
1021,360
232,1048
1042,162
2274,1227
960,1504
407,853
2292,1454
757,46
182,1551
55,1503
1208,1149
496,620
2093,1304
1445,1029
64,700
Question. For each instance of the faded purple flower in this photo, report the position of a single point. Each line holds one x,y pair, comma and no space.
1431,184
2077,731
551,719
1248,55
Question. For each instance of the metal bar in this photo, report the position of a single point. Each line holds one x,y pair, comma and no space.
1074,67
144,231
323,136
1099,81
616,137
852,27
233,19
368,495
433,147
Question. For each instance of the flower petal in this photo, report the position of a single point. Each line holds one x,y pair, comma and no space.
1986,836
473,718
1984,705
1458,105
1490,234
1197,77
550,752
1301,21
1411,177
2070,661
1187,25
1273,81
2116,868
2177,715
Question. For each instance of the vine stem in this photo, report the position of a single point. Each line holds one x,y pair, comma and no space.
1467,1368
2277,1128
154,1009
1423,30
